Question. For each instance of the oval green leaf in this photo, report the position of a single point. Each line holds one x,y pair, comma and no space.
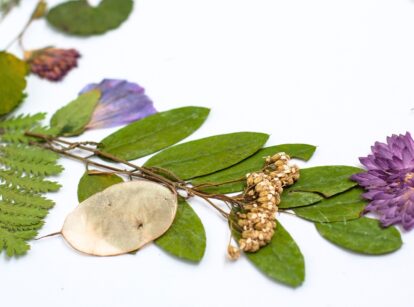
292,199
92,184
12,82
208,155
342,207
186,238
251,164
327,180
72,119
363,235
281,259
154,132
79,18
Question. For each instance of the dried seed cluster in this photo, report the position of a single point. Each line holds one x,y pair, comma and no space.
262,197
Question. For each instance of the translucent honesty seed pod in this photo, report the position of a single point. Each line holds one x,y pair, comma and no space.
120,219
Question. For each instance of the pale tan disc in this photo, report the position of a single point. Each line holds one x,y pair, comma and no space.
120,219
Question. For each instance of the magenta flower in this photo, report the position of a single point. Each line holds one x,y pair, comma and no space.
121,102
389,180
52,63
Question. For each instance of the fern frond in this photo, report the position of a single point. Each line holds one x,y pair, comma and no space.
14,137
22,122
29,154
39,169
11,209
23,169
25,199
14,244
28,183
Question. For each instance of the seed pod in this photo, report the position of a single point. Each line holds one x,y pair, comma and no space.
120,219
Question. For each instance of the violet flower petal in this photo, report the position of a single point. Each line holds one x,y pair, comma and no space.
389,180
121,102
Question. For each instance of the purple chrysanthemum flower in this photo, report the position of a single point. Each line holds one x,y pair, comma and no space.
389,180
121,102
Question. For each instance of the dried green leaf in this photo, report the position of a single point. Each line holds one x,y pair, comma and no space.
363,235
341,207
72,118
292,199
251,164
208,155
92,184
121,219
186,237
327,180
281,259
79,18
154,132
12,82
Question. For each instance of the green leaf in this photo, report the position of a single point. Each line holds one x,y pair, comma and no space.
72,118
342,207
327,180
154,132
251,164
79,18
186,237
292,199
281,259
208,155
92,184
363,235
12,82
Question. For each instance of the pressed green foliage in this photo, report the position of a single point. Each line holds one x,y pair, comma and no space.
154,132
73,118
79,18
363,235
22,180
292,199
281,259
342,207
208,155
251,164
186,237
12,82
327,180
92,184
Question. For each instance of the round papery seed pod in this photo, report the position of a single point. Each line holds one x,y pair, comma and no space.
121,219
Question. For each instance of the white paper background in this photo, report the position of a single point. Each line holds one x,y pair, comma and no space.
337,74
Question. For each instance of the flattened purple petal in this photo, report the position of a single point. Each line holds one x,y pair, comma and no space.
121,102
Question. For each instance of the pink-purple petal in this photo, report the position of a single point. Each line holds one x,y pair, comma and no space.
121,102
389,180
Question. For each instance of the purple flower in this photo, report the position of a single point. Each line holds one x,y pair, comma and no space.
52,63
389,180
121,102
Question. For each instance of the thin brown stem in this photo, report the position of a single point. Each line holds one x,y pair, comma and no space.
66,148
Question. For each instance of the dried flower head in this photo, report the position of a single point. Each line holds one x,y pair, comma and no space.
389,180
262,197
233,252
52,63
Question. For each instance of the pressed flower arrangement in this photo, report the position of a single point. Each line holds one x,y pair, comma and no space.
124,206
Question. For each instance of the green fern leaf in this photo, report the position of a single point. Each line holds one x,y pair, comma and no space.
39,169
28,183
22,122
19,198
23,169
29,154
14,244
